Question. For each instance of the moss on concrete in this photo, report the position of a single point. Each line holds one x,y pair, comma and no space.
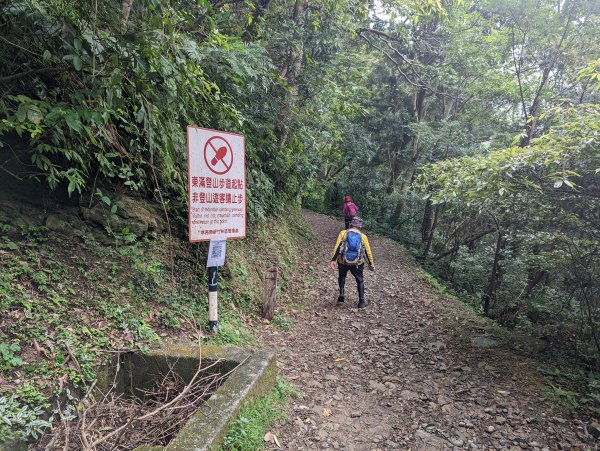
255,376
14,445
208,427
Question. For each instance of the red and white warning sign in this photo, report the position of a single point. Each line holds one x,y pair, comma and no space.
216,184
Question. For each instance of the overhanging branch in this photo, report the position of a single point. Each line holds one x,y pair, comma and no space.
43,70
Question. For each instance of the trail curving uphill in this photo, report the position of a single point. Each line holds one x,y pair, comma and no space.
412,371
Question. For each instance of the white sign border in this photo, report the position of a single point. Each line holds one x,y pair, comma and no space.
189,184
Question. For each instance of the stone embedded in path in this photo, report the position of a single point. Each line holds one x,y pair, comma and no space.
594,429
314,384
457,442
378,386
408,395
443,400
449,409
322,435
483,342
437,346
391,379
424,441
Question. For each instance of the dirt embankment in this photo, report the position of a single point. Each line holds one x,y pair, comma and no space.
414,370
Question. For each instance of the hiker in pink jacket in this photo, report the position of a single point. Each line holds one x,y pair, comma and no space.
349,209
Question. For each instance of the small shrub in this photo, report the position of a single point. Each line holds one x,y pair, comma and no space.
19,420
232,332
169,319
31,396
8,356
253,421
283,322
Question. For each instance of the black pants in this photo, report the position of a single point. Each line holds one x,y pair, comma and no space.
347,222
357,272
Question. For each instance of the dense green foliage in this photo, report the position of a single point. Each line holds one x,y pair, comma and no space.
70,303
539,203
468,129
492,107
97,94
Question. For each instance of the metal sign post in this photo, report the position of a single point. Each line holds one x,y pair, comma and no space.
216,199
216,258
213,293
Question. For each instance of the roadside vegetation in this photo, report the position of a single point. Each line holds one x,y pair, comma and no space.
71,304
250,429
466,130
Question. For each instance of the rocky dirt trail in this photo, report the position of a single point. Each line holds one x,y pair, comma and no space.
412,371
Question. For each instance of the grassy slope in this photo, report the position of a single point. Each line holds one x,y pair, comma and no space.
69,303
252,422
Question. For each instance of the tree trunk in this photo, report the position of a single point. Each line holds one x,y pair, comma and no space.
427,221
125,11
418,113
509,315
431,232
592,321
251,31
494,281
531,121
292,73
396,163
533,280
531,124
406,182
452,260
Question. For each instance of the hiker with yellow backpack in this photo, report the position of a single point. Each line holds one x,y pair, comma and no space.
351,251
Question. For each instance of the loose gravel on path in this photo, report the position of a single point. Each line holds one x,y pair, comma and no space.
412,371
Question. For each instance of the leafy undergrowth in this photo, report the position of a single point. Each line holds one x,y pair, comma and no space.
249,429
67,304
572,388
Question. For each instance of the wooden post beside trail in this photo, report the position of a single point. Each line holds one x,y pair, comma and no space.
268,309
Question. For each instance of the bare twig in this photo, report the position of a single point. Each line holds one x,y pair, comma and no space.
118,423
43,70
75,361
152,413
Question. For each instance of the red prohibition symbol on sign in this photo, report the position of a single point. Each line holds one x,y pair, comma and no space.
218,155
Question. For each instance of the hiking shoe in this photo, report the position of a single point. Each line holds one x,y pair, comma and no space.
340,299
362,303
